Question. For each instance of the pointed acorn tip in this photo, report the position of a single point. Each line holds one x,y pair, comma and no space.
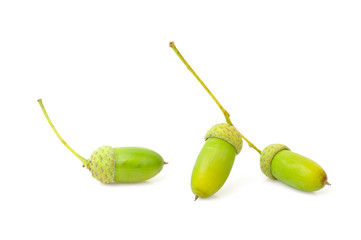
196,197
165,162
327,183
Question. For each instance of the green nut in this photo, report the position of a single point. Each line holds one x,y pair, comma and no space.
124,164
298,171
227,133
267,155
215,160
295,170
136,164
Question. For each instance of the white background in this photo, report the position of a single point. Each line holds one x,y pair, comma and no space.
287,72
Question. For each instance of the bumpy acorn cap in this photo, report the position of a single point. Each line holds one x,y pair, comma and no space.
267,155
102,164
227,133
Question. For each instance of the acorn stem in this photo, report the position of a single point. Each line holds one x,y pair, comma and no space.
84,161
251,144
225,113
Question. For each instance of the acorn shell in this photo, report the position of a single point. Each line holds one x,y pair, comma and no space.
136,164
227,133
212,168
102,164
298,171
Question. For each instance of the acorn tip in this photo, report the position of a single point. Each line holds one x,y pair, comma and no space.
196,197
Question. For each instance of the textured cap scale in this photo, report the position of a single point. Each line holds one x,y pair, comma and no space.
267,155
227,133
102,164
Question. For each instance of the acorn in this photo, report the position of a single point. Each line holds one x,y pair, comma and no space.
216,158
120,164
279,162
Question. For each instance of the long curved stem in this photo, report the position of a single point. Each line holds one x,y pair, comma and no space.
84,161
225,113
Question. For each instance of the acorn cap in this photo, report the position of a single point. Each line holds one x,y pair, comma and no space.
102,164
267,155
227,133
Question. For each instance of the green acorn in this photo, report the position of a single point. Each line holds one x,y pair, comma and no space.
295,170
215,160
121,164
